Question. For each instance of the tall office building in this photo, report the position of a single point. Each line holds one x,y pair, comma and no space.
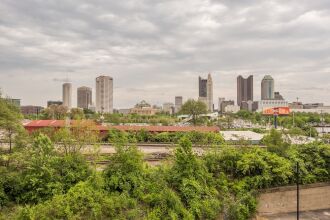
168,107
267,88
202,87
220,100
244,89
67,95
206,91
104,94
84,97
31,110
178,103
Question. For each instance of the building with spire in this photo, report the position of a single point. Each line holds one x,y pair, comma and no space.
206,91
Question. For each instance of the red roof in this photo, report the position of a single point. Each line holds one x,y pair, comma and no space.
61,123
166,128
54,123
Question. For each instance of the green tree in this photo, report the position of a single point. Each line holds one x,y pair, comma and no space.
326,138
86,200
125,171
262,169
244,114
205,138
74,139
143,135
77,114
194,109
314,161
58,112
190,178
275,142
10,124
116,137
46,173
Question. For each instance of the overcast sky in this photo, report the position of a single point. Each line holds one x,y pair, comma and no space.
156,49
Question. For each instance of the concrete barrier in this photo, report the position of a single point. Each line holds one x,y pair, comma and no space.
284,199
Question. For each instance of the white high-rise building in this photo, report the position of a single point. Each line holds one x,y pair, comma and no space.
104,94
267,88
67,95
220,100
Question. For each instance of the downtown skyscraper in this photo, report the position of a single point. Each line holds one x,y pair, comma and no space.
67,95
267,88
84,97
178,103
244,89
104,94
206,91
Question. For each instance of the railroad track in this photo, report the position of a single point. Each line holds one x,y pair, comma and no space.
154,160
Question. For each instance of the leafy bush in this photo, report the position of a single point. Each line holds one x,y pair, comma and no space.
275,142
125,171
314,161
86,200
241,207
46,173
193,182
262,169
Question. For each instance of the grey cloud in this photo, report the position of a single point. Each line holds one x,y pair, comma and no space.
156,49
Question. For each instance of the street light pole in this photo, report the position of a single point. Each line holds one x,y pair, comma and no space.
297,181
293,119
276,113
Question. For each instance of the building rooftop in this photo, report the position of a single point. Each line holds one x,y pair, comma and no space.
238,135
166,128
268,77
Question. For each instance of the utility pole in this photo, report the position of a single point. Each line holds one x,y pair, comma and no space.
322,121
276,112
297,181
293,119
293,122
275,121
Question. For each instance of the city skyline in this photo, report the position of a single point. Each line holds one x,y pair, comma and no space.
257,95
155,51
